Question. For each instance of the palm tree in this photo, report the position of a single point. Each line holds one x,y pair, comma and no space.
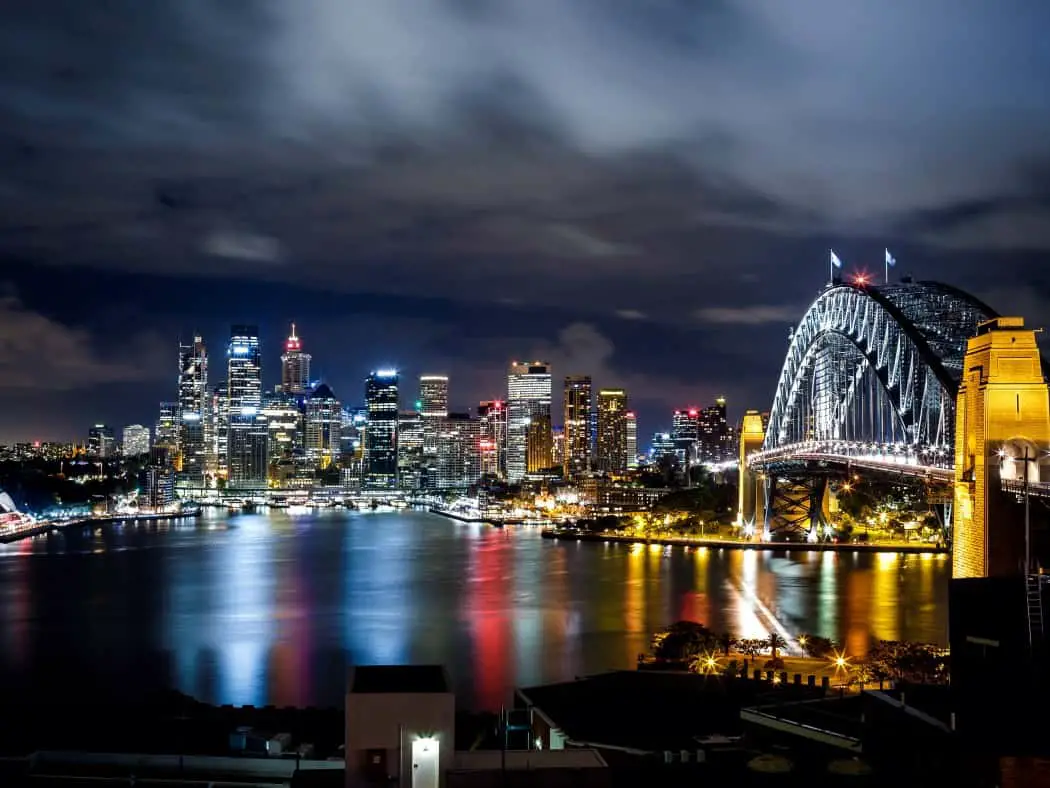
774,642
726,641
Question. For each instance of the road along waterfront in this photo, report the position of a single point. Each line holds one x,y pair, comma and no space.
269,607
912,548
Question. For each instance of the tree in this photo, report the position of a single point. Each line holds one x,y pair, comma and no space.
751,647
774,643
726,641
902,660
682,640
816,646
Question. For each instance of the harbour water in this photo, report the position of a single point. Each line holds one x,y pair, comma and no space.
270,607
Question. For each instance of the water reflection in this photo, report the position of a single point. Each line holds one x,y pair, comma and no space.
269,608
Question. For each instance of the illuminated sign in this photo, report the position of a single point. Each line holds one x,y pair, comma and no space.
249,410
240,350
385,373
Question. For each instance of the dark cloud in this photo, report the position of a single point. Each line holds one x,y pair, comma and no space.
677,168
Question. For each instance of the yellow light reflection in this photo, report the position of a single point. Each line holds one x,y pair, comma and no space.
885,600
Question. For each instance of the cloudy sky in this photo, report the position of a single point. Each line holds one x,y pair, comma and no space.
643,191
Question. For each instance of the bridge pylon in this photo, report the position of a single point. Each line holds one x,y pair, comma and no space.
1002,431
751,490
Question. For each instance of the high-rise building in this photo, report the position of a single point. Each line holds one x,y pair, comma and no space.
432,407
493,441
102,442
219,428
410,450
284,422
685,432
612,430
157,486
191,454
458,452
528,418
380,455
577,425
135,440
632,440
323,427
295,366
247,452
166,432
714,433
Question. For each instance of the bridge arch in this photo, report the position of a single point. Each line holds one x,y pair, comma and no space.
876,365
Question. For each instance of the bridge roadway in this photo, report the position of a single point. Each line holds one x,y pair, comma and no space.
927,462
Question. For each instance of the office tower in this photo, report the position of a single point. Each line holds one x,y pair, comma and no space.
458,461
380,455
157,486
557,447
528,418
612,430
685,432
166,432
493,442
577,421
323,427
285,425
714,433
410,450
295,366
247,453
135,440
432,407
219,427
632,440
663,445
193,402
102,442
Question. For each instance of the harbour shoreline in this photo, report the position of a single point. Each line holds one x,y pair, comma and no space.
51,526
685,541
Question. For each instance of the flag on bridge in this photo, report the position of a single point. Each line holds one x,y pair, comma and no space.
835,263
890,261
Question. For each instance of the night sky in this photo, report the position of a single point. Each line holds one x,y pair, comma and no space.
642,191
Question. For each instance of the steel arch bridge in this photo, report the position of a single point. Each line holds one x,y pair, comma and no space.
873,372
870,381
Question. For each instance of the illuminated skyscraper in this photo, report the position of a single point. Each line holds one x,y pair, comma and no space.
685,433
493,442
323,426
380,455
458,452
166,431
135,440
247,454
632,440
191,451
432,407
409,450
528,418
295,366
713,434
577,421
612,430
101,441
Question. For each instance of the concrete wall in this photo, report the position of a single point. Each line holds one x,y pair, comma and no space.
390,722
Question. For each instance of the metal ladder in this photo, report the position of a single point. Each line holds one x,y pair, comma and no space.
1033,585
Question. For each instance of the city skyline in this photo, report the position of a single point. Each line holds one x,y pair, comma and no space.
496,208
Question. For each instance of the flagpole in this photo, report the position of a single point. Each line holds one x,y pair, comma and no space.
886,280
831,266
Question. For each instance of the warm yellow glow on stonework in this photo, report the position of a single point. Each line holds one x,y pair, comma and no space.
751,496
1002,410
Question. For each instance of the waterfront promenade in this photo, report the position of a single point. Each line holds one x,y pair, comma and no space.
566,534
